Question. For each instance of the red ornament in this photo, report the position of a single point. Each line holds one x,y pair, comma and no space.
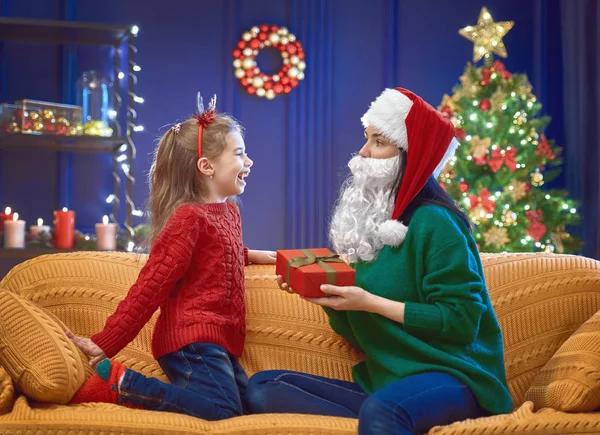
500,68
283,83
480,161
486,74
62,129
544,149
499,157
446,111
460,134
484,200
463,186
537,229
49,127
442,186
485,105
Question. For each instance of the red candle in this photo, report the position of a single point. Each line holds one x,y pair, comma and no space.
64,229
6,216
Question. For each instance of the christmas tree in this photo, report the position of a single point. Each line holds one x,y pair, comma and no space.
504,160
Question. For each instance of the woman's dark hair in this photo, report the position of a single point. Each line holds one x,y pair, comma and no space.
432,193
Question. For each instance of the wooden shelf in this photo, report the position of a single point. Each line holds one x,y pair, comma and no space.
94,144
28,253
62,31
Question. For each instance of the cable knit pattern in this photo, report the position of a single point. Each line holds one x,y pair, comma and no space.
195,274
541,300
7,392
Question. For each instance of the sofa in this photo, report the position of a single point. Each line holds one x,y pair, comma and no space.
541,300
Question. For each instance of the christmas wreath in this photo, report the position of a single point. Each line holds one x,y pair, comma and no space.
249,74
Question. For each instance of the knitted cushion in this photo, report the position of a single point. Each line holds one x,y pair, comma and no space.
7,392
540,300
570,380
36,353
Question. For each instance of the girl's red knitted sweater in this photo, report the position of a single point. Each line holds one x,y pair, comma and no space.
195,274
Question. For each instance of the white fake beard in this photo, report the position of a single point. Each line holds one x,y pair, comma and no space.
363,205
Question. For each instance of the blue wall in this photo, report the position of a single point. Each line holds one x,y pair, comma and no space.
301,143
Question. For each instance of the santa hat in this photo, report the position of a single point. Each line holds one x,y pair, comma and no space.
426,136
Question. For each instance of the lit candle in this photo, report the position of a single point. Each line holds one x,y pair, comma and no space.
6,216
14,233
34,230
64,229
106,235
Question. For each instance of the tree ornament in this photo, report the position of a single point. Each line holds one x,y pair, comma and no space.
517,190
509,217
537,178
496,236
487,35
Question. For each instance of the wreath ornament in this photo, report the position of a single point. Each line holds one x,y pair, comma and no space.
250,75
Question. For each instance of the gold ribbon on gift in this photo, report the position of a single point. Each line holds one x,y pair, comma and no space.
311,258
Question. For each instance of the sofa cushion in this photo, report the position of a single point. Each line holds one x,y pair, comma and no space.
570,380
540,300
525,421
7,392
26,333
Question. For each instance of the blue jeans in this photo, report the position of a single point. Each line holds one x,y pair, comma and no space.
206,382
411,405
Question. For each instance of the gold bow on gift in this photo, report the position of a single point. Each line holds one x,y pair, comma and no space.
311,258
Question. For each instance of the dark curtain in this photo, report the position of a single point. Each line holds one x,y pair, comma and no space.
581,65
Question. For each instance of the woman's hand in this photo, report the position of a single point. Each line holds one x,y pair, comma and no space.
262,257
349,298
339,298
88,347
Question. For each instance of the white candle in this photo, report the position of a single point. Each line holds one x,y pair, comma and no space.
34,230
106,235
14,233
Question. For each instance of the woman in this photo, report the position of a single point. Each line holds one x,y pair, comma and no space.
419,310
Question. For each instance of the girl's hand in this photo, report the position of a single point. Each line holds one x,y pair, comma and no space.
262,257
283,286
88,347
345,298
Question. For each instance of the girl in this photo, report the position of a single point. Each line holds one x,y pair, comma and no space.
195,274
420,310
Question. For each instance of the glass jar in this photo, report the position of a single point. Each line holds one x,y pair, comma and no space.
95,96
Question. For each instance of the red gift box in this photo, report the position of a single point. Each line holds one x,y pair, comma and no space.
305,270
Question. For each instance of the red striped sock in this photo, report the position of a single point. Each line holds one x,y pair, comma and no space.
102,386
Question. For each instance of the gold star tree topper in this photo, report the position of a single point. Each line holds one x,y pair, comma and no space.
487,35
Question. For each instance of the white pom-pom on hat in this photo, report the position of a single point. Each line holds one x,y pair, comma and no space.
392,233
